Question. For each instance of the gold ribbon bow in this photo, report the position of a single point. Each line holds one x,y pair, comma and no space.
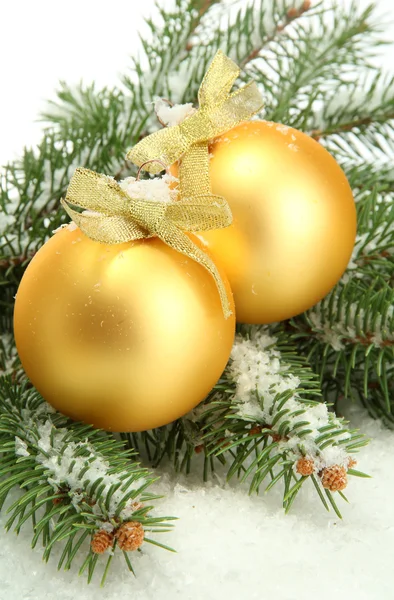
114,217
219,110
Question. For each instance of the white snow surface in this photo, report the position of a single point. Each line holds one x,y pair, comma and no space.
232,546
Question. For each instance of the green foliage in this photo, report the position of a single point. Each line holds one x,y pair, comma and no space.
52,459
315,69
349,338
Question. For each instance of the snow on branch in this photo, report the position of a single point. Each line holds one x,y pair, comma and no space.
267,392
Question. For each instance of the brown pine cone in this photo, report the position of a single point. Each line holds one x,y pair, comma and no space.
101,541
292,13
351,463
255,429
61,497
334,478
305,466
130,536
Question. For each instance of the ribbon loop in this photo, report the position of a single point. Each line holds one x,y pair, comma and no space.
219,111
214,87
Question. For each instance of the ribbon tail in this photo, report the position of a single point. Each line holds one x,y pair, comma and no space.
177,239
194,171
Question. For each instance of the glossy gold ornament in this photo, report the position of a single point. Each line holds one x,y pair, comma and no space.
294,220
126,337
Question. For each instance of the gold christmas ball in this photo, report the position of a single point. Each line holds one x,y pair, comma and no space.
125,337
294,220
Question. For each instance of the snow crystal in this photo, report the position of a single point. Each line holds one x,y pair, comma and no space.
256,367
21,447
260,375
327,335
156,190
283,129
65,464
62,227
173,115
105,526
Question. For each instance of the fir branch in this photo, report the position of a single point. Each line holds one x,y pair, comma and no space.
266,416
75,480
349,340
301,71
201,7
373,145
9,362
291,15
357,123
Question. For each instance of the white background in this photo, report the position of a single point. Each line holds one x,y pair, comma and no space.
229,546
44,41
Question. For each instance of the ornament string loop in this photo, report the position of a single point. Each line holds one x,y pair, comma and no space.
219,110
111,216
147,162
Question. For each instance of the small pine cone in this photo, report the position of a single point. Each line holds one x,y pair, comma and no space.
61,497
334,478
101,541
137,505
305,466
130,536
351,463
293,13
255,429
